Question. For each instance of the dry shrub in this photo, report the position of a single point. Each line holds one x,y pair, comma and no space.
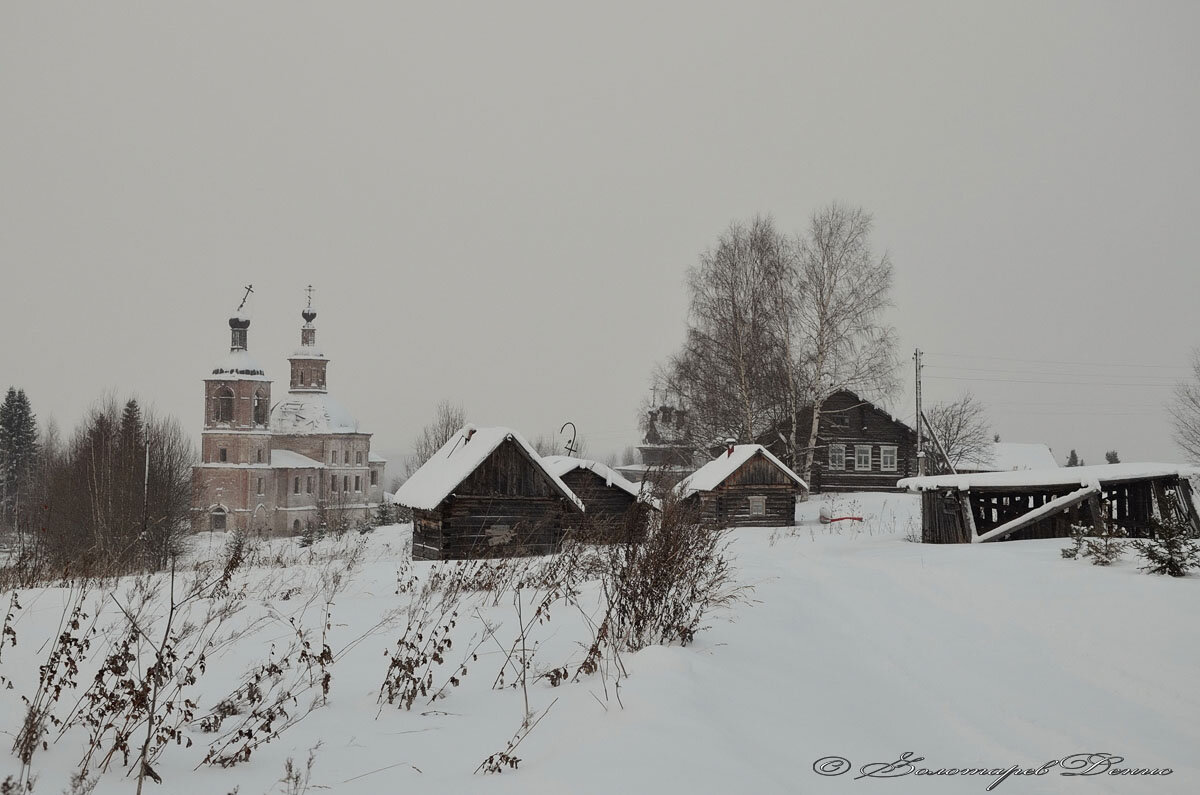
661,590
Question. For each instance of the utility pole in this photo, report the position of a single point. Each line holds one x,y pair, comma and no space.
920,417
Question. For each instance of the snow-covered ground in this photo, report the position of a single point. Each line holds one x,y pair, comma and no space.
855,643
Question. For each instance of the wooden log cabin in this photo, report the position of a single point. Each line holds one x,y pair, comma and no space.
486,493
860,447
745,486
616,509
1006,506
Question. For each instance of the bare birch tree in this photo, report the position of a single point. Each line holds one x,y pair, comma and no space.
1185,412
448,418
844,291
728,371
961,425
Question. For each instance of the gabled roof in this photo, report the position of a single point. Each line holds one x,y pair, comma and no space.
717,471
458,458
1009,456
1058,476
560,465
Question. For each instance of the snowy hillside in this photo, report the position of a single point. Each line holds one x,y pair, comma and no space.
854,643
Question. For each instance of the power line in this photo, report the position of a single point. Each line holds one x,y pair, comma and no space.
1027,381
1045,372
1056,361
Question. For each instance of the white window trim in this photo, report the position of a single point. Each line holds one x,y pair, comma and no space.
857,448
760,502
883,458
842,447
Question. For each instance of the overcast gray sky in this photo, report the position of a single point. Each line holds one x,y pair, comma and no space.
497,201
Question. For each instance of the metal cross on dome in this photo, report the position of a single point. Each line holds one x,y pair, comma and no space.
309,290
249,289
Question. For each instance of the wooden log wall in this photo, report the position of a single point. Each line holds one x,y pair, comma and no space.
1129,504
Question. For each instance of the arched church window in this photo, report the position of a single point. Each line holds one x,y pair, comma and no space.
261,407
224,405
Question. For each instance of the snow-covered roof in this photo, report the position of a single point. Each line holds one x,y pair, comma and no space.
311,412
1059,476
1008,456
458,458
715,472
239,365
560,465
291,460
375,458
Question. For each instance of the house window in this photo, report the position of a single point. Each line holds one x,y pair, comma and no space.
218,520
839,422
358,458
345,483
358,482
224,407
333,483
758,506
887,459
837,456
333,456
346,460
374,478
862,457
308,486
259,452
260,486
296,486
222,455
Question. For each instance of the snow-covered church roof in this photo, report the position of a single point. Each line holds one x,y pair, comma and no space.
311,412
239,365
715,472
457,459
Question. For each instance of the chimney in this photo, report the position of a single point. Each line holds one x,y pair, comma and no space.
729,443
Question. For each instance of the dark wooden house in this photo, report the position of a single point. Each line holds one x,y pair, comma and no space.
746,485
616,509
1005,506
860,447
486,493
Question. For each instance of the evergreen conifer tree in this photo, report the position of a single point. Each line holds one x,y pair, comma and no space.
1172,549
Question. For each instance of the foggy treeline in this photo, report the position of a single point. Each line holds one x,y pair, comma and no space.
113,497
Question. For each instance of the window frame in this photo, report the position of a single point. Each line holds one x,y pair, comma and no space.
223,455
759,502
884,450
841,465
296,485
858,448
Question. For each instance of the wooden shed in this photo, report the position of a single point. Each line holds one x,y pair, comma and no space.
746,485
486,493
996,506
616,509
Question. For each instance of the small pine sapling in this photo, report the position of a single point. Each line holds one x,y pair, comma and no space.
1172,549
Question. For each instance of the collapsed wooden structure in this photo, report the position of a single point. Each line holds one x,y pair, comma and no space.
995,506
746,485
615,508
486,493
